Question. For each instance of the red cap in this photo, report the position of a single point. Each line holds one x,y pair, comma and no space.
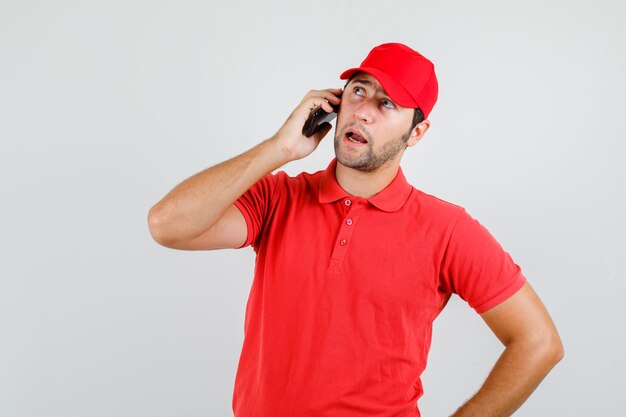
407,76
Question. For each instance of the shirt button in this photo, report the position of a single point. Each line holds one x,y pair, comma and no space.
348,202
349,222
343,242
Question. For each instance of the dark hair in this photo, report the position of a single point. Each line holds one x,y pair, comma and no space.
418,114
418,117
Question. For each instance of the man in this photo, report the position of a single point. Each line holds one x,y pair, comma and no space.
353,263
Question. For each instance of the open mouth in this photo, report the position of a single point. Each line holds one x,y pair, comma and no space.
354,137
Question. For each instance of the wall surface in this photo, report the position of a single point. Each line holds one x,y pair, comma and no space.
106,105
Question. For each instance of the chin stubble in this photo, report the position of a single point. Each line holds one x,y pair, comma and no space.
368,161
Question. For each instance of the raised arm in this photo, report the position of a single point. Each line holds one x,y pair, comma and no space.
532,348
199,213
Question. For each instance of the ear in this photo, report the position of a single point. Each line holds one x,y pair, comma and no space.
418,132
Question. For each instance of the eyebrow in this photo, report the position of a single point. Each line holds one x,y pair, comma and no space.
371,85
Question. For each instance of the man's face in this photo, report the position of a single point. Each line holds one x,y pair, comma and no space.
371,129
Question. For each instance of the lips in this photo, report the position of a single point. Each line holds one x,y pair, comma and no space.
355,136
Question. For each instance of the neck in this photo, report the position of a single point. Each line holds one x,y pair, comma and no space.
365,184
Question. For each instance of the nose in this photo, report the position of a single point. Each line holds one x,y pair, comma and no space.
363,112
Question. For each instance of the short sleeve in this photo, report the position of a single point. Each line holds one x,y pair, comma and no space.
257,203
477,268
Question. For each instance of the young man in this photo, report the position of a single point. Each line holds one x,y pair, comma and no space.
353,263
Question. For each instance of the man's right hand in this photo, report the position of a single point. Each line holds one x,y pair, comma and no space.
199,213
290,138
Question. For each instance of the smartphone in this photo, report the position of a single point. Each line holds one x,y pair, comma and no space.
317,118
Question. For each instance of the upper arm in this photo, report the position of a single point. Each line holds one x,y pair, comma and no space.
242,222
229,232
522,317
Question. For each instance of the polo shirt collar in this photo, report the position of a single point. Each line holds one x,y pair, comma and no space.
390,199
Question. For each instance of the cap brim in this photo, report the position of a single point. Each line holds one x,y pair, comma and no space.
394,89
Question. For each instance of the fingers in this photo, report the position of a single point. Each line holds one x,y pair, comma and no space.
290,135
327,107
323,98
335,94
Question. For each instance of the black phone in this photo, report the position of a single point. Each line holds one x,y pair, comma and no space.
317,118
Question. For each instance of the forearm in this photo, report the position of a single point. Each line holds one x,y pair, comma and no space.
197,203
516,374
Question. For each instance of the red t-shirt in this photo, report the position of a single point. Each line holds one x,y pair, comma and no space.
339,318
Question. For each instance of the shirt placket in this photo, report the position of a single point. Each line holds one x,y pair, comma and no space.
354,207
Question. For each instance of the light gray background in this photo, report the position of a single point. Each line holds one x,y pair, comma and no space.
106,105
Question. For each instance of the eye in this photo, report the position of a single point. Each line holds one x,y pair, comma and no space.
388,104
359,91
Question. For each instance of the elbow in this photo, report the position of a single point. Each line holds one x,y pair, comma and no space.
158,227
553,346
557,350
550,349
542,348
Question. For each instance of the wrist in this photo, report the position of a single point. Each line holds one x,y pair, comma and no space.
273,153
280,150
